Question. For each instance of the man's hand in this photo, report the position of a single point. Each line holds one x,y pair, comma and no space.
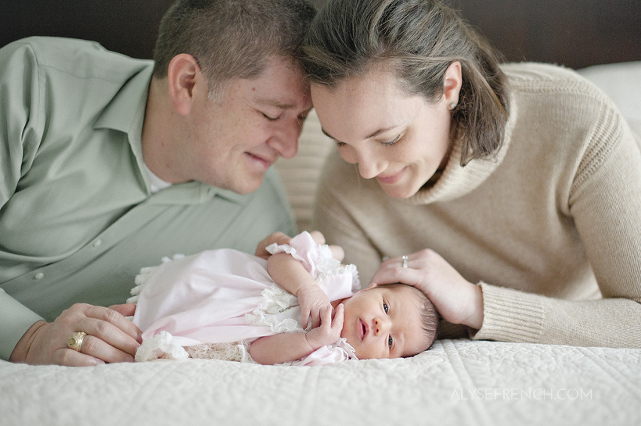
276,237
110,337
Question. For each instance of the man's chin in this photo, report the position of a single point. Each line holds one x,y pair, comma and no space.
248,186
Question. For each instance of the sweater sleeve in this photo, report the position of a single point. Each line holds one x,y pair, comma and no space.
605,204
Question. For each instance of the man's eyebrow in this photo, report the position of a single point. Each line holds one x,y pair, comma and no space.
276,103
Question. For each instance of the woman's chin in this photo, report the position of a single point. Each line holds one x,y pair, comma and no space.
400,193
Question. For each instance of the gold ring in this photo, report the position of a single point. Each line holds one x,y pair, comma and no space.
75,341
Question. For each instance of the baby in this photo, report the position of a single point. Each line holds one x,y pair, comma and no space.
300,307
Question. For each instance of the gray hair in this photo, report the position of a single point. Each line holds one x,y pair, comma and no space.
418,40
232,38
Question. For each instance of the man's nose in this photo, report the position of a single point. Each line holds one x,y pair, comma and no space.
285,139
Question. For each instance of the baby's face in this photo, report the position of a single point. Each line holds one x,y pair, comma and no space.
383,322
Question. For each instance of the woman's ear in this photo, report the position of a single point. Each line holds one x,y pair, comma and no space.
452,83
184,77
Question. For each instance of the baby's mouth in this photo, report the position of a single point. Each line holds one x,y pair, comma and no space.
363,330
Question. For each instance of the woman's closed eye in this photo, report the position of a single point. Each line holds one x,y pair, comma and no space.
393,141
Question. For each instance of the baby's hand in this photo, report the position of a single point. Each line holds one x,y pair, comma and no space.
329,330
313,303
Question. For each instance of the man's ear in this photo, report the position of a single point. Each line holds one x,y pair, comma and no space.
452,83
184,77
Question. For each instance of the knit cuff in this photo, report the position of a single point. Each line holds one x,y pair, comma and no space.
510,315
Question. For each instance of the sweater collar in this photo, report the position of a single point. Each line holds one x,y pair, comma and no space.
456,180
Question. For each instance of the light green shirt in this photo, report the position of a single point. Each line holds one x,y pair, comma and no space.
77,216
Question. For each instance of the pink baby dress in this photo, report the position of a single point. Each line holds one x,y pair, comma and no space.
215,303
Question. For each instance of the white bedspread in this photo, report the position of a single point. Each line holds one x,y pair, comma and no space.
455,383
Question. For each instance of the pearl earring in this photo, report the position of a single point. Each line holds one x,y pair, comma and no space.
452,105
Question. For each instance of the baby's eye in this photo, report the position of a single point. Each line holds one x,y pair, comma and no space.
390,341
385,307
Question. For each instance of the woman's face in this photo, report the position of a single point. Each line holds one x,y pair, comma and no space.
399,139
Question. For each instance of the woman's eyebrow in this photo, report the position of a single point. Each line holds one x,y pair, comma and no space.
373,135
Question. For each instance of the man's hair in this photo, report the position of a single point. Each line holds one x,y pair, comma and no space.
417,40
231,38
430,317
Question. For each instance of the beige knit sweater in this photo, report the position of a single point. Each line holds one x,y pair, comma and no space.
550,228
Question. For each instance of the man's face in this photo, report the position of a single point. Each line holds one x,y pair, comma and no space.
232,141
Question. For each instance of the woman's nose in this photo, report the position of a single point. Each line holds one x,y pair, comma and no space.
369,167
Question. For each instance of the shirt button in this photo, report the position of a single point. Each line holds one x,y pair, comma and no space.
39,276
97,243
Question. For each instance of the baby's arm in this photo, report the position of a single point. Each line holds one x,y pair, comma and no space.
287,347
291,275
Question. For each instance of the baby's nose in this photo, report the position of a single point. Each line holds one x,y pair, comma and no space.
381,326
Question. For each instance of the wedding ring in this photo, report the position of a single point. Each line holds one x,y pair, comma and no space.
404,258
75,341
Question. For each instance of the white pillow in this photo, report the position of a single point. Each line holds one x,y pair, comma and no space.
300,174
622,83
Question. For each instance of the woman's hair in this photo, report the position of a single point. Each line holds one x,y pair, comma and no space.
430,317
231,38
418,40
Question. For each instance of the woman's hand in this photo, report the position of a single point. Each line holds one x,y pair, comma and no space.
110,337
457,300
329,330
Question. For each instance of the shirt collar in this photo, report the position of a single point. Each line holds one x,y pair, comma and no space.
126,113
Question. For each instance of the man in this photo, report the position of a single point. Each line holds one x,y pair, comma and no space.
110,163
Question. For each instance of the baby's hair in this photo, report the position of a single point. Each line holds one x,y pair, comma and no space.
430,317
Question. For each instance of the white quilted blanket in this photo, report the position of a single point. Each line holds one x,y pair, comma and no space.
457,382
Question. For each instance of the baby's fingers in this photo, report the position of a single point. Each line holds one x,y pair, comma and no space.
304,317
339,318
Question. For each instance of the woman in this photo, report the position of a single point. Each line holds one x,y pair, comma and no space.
514,190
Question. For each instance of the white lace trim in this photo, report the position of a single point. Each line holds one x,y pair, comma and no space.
163,346
275,301
143,277
233,351
340,270
327,266
160,346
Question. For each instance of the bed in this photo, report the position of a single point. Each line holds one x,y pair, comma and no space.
456,382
